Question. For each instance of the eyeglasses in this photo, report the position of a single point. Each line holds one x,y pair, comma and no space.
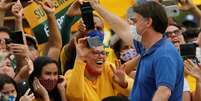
99,52
5,41
173,33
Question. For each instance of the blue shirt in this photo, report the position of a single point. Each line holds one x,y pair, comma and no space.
161,65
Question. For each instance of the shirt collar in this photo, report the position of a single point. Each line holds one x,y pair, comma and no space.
154,47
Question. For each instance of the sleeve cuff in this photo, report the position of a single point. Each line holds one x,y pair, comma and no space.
171,87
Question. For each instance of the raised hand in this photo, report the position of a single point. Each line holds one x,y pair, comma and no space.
47,6
192,69
5,4
17,10
186,5
27,96
38,88
119,74
61,83
74,9
81,48
25,71
19,50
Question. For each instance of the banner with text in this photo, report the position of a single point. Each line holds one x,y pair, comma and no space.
37,18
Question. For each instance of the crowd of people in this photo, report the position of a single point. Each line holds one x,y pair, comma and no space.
142,61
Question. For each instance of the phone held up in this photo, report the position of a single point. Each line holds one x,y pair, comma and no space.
171,7
95,36
15,37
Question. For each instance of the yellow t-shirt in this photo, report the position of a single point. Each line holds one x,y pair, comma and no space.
80,88
111,57
191,82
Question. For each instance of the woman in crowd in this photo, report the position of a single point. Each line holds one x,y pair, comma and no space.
45,82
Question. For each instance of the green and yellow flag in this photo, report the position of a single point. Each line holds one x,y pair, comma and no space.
37,18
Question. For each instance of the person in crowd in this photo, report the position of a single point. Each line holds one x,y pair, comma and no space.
172,86
174,33
9,90
10,51
128,56
8,87
45,82
97,78
69,49
68,53
151,21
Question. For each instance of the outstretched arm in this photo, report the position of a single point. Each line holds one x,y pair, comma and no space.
54,44
120,26
17,11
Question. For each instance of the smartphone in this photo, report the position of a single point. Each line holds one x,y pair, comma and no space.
17,37
188,50
87,15
172,10
171,7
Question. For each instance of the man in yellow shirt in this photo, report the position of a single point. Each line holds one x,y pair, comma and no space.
92,78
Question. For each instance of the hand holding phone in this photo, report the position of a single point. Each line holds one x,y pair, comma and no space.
87,15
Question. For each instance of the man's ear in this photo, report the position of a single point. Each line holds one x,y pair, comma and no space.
149,22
